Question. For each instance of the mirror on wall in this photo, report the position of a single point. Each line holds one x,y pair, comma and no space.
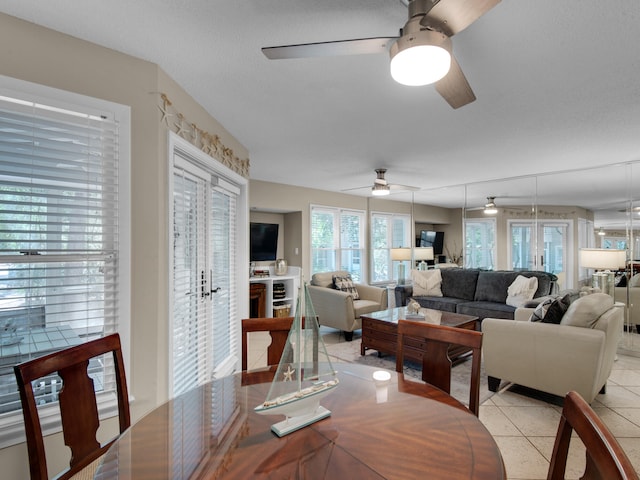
542,221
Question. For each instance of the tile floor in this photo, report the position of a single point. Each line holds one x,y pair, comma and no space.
524,428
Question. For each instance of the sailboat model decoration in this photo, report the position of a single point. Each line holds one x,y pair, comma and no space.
304,375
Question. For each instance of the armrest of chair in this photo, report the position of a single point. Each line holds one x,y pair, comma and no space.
331,304
540,349
374,294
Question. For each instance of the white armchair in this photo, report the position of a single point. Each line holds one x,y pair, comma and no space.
338,309
553,358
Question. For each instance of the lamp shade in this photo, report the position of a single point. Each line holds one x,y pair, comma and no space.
602,258
423,253
400,254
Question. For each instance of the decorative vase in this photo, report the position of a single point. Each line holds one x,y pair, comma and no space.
280,267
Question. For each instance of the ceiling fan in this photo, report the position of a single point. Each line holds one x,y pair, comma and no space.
381,187
420,55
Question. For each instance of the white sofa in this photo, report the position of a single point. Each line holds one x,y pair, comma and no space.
338,309
554,358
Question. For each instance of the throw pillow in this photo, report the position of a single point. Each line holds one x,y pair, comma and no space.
521,290
346,285
586,311
551,310
427,283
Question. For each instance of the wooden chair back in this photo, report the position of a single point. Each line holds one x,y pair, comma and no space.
605,459
436,365
78,405
278,328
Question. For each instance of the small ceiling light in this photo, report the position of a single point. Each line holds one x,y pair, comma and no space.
601,232
490,207
420,57
380,190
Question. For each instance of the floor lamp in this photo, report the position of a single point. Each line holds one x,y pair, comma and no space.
401,255
603,260
422,254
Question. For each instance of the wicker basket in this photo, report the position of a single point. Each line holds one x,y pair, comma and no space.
281,311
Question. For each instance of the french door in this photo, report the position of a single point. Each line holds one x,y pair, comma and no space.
203,344
543,245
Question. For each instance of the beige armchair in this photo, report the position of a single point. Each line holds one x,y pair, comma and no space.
552,358
338,309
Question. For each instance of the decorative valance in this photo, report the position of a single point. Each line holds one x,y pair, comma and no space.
207,142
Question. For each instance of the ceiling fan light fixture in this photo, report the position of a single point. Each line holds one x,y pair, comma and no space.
490,207
419,58
380,190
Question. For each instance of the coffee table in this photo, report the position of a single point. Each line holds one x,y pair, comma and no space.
380,332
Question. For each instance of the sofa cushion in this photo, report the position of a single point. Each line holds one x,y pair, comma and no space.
446,304
521,290
325,279
345,284
586,311
427,282
551,310
492,286
459,282
486,310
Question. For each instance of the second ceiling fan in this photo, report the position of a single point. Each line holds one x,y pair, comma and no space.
420,55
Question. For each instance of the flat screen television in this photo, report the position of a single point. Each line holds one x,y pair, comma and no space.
429,238
263,241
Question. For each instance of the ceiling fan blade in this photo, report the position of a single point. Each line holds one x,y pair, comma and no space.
395,186
454,87
330,49
453,16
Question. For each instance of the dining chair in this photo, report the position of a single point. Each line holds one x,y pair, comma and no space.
605,459
278,328
78,405
436,365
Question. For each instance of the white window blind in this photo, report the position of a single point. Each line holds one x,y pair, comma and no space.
59,237
190,305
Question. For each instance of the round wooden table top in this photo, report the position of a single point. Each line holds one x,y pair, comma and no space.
401,429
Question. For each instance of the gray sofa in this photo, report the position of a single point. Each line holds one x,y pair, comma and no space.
481,293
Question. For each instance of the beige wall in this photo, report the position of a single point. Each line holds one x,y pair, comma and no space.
49,58
294,203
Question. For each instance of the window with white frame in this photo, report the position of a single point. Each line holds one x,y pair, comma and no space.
63,232
480,243
388,230
337,241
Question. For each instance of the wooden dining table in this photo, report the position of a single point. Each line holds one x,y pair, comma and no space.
400,428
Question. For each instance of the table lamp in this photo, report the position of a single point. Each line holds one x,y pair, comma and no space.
422,254
603,260
401,255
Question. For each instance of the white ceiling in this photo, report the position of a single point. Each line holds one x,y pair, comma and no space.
556,84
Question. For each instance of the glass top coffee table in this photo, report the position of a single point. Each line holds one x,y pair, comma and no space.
380,332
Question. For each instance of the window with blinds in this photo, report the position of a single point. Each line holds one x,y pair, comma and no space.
59,236
337,241
388,231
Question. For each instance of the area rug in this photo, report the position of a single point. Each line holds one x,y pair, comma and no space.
342,351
